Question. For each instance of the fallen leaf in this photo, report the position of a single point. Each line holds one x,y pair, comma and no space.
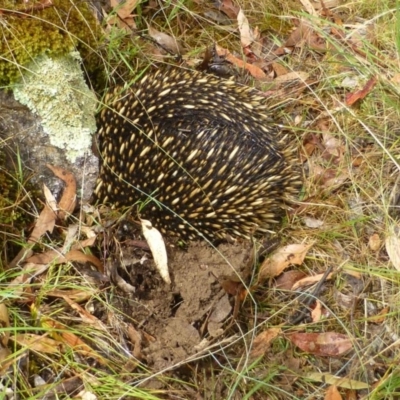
312,222
308,7
157,248
309,280
316,313
50,199
286,280
281,259
67,203
4,323
299,36
124,8
165,41
332,394
392,245
221,310
380,317
255,71
45,223
374,242
329,344
39,343
351,98
263,341
78,256
136,339
330,379
230,9
246,33
76,295
62,334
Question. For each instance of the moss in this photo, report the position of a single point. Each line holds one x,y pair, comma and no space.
27,33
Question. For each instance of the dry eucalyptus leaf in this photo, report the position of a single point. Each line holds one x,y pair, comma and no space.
157,248
67,202
308,6
333,393
392,245
336,380
310,280
39,343
263,341
4,323
50,199
124,8
292,254
328,344
45,222
374,242
166,41
246,33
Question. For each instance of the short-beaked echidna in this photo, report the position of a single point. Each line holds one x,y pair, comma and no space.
202,148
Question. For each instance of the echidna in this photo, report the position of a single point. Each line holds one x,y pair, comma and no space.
202,150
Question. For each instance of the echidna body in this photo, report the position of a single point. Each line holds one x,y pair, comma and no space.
202,149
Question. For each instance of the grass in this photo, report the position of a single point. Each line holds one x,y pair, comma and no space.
351,195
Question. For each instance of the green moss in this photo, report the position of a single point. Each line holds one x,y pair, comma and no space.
54,31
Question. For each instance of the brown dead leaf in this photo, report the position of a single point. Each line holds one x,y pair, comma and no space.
28,272
255,71
329,344
332,394
50,199
64,335
78,256
231,286
326,4
292,254
392,245
309,7
299,36
330,379
85,316
39,343
316,313
4,323
262,342
67,202
124,9
381,317
310,280
279,69
374,242
166,41
76,295
286,280
136,339
52,256
45,223
230,9
221,310
246,33
351,98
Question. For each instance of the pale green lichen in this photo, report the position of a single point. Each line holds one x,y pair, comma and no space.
55,89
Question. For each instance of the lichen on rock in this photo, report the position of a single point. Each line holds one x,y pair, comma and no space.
55,89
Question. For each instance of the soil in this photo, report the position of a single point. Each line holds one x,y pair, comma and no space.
181,319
